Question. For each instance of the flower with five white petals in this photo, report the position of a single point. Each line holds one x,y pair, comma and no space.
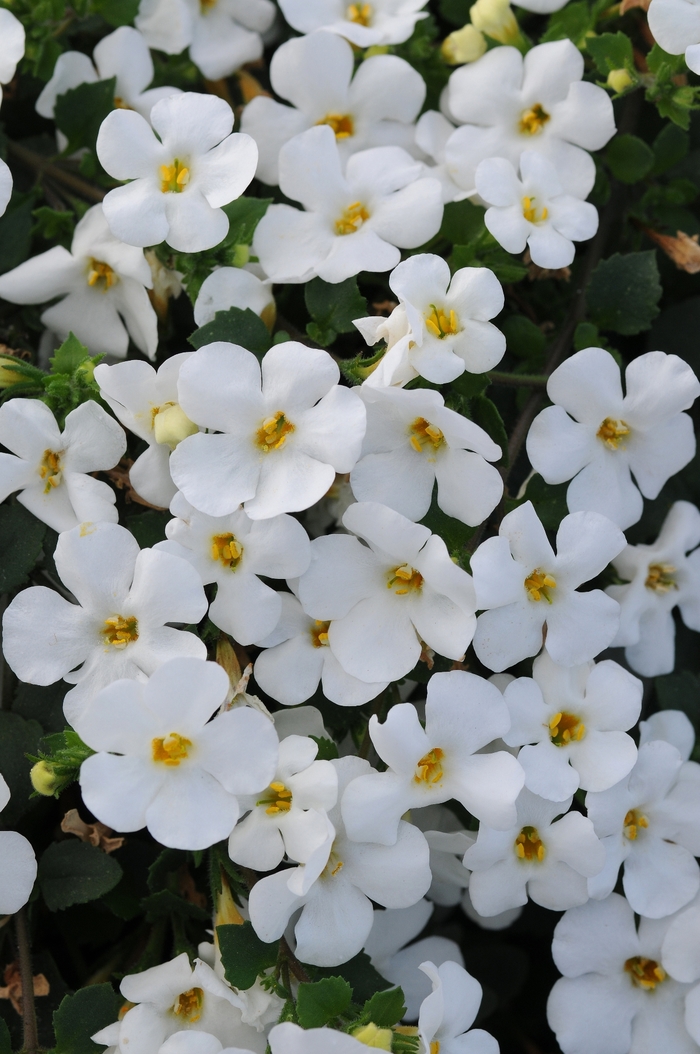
448,1012
363,24
12,38
228,287
675,25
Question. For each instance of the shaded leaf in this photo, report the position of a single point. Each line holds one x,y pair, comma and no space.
17,738
359,973
321,1001
82,1015
332,308
21,538
237,327
630,158
80,112
243,954
15,236
74,872
624,292
69,356
385,1008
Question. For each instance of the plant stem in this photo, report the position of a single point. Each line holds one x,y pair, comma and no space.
30,1040
48,168
294,964
519,380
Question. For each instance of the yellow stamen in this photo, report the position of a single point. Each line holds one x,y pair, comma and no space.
278,799
429,768
50,469
189,1005
531,212
101,275
631,824
119,631
174,178
645,973
424,436
319,633
360,13
341,123
529,845
538,584
272,434
405,579
532,121
225,548
440,324
613,433
566,728
352,218
661,578
170,750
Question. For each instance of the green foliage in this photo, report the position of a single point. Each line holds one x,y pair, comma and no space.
360,975
117,12
385,1008
237,327
525,340
21,537
484,251
71,380
327,749
629,158
332,308
244,214
671,100
61,755
15,235
670,147
54,225
5,1040
69,356
18,737
462,221
244,955
82,1015
549,501
487,416
680,691
453,532
319,1002
611,51
574,21
624,292
148,527
74,872
80,112
456,12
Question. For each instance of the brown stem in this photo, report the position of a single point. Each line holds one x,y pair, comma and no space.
294,964
518,380
30,1039
48,168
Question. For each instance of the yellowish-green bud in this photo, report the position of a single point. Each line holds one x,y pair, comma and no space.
44,779
171,425
240,255
373,1036
86,370
377,49
619,80
8,375
495,18
464,45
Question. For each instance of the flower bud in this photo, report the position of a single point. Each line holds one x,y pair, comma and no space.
172,425
373,1036
45,780
8,375
226,911
464,45
495,18
619,80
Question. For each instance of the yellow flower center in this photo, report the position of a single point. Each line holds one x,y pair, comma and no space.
566,728
424,435
171,750
360,13
119,103
374,1036
101,275
531,212
352,218
632,822
319,634
429,768
225,548
189,1005
206,5
174,178
278,799
404,579
50,469
613,433
529,846
440,324
119,631
532,121
645,973
341,123
661,578
272,434
538,584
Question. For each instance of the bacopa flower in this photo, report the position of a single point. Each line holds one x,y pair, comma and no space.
180,179
363,24
375,107
103,284
533,210
675,24
18,868
286,429
5,183
51,468
448,1012
679,956
613,435
12,40
233,287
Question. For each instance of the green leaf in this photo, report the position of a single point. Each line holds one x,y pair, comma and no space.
385,1008
236,327
74,872
453,532
69,356
54,225
662,63
332,308
117,12
549,501
680,691
573,21
470,384
5,1040
21,538
168,905
148,527
15,236
18,737
327,749
456,12
321,1001
524,339
629,158
611,51
80,112
487,416
244,214
359,973
82,1015
244,955
462,221
624,292
670,147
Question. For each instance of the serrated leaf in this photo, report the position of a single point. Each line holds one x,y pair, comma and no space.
332,308
80,112
69,356
244,214
21,538
327,749
629,158
610,51
385,1008
321,1001
358,971
236,327
624,292
82,1015
243,955
74,872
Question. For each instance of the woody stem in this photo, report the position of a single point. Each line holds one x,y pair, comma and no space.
30,1041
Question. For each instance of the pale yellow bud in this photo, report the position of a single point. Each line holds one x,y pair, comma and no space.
172,425
373,1036
44,778
464,45
226,912
495,18
8,375
619,80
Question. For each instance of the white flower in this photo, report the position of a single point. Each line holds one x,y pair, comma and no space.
673,726
449,1010
122,54
546,859
103,283
385,598
433,131
284,438
335,889
353,222
288,1038
18,869
12,38
394,367
533,210
650,821
523,586
118,627
615,996
51,469
162,764
643,432
233,287
297,658
426,766
507,103
363,24
675,24
576,719
196,1043
448,844
175,997
659,577
375,107
222,35
180,177
232,551
679,957
412,440
5,180
145,401
289,816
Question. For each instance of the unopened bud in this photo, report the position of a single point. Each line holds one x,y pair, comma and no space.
464,45
44,779
373,1036
619,80
226,911
172,425
495,18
